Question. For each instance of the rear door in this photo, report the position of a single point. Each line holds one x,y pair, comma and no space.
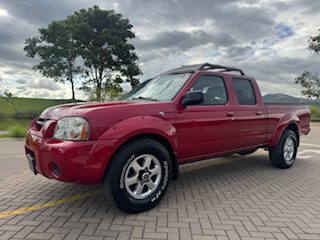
207,128
251,122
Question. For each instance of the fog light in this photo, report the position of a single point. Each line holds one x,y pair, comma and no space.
56,169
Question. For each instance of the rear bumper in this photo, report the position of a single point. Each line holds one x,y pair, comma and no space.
69,161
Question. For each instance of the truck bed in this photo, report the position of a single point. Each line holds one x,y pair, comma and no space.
280,113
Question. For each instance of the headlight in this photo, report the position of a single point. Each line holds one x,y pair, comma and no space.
72,128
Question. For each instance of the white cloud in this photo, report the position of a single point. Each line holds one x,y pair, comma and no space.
285,88
4,13
267,39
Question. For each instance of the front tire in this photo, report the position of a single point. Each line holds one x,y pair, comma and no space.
139,175
283,155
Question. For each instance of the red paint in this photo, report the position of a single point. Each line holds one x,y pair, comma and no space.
194,133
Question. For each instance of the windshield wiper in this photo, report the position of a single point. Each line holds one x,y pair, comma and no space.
145,98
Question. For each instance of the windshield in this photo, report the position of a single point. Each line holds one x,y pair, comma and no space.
135,89
161,88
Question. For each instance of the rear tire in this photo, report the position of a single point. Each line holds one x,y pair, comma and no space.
283,155
139,175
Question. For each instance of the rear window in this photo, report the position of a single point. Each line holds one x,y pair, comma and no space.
244,91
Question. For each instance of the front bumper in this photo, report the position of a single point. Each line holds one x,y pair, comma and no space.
69,161
58,159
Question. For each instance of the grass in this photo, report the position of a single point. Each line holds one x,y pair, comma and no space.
25,109
15,128
315,112
17,131
9,106
5,123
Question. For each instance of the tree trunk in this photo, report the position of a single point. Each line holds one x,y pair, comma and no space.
70,78
98,91
72,88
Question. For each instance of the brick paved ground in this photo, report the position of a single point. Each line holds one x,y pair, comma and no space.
231,198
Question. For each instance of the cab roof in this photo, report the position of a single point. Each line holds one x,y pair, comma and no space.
203,66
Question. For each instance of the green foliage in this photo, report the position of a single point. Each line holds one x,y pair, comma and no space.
2,115
308,81
26,106
96,39
109,60
5,123
16,131
310,84
25,114
8,95
57,52
314,43
315,112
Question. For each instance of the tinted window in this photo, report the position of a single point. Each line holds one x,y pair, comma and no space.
244,91
213,89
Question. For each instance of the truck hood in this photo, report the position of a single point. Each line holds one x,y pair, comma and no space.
104,115
81,109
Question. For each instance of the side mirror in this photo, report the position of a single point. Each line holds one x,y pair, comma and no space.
192,98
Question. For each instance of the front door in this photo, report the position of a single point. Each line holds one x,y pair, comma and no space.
206,129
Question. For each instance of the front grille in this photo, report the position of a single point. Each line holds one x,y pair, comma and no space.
40,123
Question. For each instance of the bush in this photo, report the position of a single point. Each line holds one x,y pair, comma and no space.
25,114
315,112
16,131
2,115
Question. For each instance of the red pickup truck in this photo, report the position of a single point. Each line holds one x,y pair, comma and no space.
134,146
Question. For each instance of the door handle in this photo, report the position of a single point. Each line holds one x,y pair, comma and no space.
230,114
258,113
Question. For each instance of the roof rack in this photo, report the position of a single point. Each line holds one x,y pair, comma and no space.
203,66
208,66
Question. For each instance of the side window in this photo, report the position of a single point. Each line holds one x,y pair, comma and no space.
213,89
244,91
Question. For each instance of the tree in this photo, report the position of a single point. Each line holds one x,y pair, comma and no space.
314,43
311,82
57,51
4,93
7,96
102,39
95,39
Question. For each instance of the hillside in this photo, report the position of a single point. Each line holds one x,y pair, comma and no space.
9,107
283,98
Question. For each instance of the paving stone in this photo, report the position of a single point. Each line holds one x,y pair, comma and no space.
244,199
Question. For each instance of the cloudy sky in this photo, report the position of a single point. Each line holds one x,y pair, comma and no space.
267,39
